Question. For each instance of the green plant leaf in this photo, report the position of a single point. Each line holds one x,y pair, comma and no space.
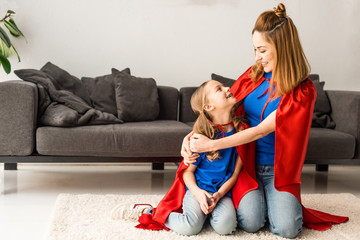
12,22
10,11
5,37
6,64
12,29
4,50
13,50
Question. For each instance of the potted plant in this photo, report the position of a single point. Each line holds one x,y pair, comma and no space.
6,47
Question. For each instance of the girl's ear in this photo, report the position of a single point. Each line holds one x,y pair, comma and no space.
208,107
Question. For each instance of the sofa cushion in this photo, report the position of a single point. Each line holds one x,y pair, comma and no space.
162,138
65,81
228,82
186,114
330,144
137,98
102,91
322,108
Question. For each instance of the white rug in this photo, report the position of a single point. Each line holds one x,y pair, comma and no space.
87,216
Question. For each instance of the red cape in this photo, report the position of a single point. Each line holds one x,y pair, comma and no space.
295,109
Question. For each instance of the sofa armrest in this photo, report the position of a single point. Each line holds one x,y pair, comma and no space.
345,111
18,117
168,100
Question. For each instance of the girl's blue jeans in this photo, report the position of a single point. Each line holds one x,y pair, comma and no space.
191,221
282,209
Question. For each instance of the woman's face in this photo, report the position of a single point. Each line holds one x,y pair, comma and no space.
264,52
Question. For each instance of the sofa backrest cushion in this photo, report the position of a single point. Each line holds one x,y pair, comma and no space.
168,102
186,113
102,91
137,98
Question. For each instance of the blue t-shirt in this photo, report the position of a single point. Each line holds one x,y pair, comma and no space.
211,175
253,106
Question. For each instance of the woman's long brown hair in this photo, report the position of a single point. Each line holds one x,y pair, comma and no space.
291,65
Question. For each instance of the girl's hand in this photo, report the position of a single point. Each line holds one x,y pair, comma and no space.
202,197
215,199
186,153
200,143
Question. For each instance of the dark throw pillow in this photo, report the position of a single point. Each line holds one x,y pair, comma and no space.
322,109
65,81
102,91
228,82
137,98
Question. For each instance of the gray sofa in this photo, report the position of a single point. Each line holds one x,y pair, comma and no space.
159,141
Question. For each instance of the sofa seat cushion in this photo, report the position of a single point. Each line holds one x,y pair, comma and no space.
330,144
161,138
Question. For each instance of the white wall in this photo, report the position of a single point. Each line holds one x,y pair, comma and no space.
179,42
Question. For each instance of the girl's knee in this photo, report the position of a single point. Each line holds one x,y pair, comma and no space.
191,230
225,227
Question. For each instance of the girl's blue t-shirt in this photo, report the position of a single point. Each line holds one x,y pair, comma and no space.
211,175
253,106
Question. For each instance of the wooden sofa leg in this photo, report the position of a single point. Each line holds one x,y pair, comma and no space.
157,166
322,167
10,166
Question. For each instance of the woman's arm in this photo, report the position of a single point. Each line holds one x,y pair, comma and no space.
186,153
200,143
200,194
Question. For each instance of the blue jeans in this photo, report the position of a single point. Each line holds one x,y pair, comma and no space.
282,209
191,221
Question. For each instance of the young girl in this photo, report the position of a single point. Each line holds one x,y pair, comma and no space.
204,187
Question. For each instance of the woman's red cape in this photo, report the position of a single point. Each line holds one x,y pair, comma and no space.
293,122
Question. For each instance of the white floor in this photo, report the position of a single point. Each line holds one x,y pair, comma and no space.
28,194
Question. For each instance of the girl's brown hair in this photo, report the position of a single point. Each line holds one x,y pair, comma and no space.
291,66
203,125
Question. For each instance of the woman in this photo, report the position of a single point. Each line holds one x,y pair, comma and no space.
278,100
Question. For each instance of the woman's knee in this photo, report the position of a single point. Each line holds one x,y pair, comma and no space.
251,225
291,229
289,226
251,217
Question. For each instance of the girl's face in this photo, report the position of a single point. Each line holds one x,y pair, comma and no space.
218,96
264,52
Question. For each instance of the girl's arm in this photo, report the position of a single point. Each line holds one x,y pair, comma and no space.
200,143
200,195
226,187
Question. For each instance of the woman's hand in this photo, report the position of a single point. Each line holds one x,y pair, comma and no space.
202,197
200,143
186,153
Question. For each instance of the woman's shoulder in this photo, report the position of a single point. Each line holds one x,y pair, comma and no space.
304,92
